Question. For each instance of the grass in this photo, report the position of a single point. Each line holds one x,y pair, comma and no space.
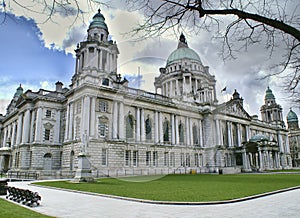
193,188
11,210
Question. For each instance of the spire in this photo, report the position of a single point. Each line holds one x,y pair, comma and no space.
182,41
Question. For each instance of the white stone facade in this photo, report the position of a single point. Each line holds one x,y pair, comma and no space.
134,132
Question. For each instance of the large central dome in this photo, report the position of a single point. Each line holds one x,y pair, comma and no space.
183,52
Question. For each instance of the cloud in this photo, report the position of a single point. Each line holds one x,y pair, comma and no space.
74,36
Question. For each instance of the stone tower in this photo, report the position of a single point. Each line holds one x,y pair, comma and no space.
96,58
271,112
292,120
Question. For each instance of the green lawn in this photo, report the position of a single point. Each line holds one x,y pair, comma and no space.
11,210
188,187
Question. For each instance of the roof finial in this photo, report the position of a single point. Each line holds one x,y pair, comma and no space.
99,10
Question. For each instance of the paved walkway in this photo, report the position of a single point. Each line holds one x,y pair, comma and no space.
69,204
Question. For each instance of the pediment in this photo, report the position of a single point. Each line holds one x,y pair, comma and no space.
234,109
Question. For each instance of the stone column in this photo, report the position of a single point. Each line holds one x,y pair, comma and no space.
261,161
100,59
115,121
38,125
190,86
177,88
143,136
161,130
196,85
4,137
121,121
138,125
229,133
67,123
173,129
218,141
247,133
167,89
57,127
183,85
245,165
176,130
221,133
187,128
171,93
191,131
26,127
238,126
156,124
200,134
31,139
71,122
107,62
13,140
93,117
86,115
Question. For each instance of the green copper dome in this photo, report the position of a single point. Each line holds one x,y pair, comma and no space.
183,52
259,138
292,117
98,21
269,94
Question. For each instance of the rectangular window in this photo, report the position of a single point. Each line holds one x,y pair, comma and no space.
166,159
48,113
127,157
172,159
135,158
103,106
47,134
187,160
104,157
102,129
148,158
182,161
155,158
197,160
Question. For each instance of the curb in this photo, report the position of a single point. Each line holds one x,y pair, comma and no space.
175,202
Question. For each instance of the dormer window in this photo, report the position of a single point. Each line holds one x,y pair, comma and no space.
101,37
105,82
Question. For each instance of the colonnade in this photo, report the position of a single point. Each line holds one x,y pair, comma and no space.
96,57
28,128
263,159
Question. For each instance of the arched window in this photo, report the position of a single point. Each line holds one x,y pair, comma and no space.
166,130
47,161
195,135
181,133
148,126
129,126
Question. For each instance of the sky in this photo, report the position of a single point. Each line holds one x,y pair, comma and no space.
37,54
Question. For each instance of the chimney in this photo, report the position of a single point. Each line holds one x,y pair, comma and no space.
59,86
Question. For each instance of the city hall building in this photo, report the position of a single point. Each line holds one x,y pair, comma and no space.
129,131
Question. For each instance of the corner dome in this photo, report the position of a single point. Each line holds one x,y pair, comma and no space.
183,52
292,117
19,91
98,21
269,94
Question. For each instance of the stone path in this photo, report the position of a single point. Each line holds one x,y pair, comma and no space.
69,204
